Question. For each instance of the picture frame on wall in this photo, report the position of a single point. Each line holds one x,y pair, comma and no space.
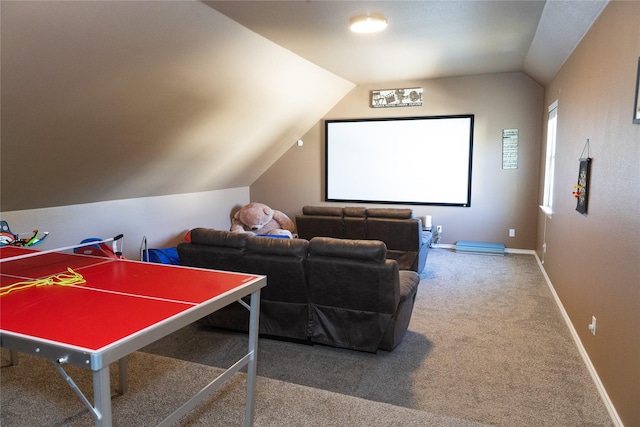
411,97
636,110
582,189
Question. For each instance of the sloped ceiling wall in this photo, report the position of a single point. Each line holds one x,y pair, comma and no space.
114,100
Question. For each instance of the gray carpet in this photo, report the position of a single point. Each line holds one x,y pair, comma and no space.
33,394
486,346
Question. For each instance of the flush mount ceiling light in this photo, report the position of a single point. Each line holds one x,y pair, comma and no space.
368,23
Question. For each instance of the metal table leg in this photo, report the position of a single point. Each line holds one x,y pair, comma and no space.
254,317
102,397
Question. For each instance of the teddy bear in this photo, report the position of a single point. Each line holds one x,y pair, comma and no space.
258,218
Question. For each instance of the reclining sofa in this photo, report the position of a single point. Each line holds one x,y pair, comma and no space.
337,292
406,241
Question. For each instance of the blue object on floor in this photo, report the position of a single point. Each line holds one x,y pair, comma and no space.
480,247
161,256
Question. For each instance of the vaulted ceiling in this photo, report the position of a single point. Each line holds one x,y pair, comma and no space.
424,39
104,100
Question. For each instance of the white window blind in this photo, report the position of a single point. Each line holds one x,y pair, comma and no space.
547,201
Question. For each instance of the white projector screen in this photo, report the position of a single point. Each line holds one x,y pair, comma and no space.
408,160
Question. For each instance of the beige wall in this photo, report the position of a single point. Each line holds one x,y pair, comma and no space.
593,261
500,199
105,100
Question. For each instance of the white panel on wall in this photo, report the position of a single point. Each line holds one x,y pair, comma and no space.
163,219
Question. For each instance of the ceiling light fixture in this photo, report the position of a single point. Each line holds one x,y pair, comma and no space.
368,23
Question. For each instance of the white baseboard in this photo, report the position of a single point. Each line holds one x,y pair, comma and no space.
442,246
520,251
507,250
583,352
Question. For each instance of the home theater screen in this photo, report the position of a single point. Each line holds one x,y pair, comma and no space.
407,160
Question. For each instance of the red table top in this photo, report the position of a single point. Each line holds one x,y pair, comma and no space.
119,298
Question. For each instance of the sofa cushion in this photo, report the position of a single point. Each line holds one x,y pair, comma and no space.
322,210
354,211
210,237
371,250
282,247
355,223
216,249
309,226
390,213
284,307
283,262
353,292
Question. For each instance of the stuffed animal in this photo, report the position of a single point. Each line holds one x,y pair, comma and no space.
258,218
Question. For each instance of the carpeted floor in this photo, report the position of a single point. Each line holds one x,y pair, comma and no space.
486,346
33,394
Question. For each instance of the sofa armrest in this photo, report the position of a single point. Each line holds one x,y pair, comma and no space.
398,234
409,281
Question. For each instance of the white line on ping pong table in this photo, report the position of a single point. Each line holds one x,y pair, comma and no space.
128,294
99,261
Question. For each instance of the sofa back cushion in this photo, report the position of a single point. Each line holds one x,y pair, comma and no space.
352,274
211,237
283,262
320,221
354,292
284,307
322,210
355,222
214,249
395,213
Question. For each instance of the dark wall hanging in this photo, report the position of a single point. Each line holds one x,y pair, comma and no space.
581,190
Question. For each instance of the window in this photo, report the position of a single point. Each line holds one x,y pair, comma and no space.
550,163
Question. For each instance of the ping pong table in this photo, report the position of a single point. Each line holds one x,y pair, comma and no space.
123,306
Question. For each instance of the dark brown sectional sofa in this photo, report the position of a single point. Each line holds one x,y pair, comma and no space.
406,241
337,292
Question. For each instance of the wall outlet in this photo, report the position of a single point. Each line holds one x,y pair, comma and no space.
439,229
512,232
592,325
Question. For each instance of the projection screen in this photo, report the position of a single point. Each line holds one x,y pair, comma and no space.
408,160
